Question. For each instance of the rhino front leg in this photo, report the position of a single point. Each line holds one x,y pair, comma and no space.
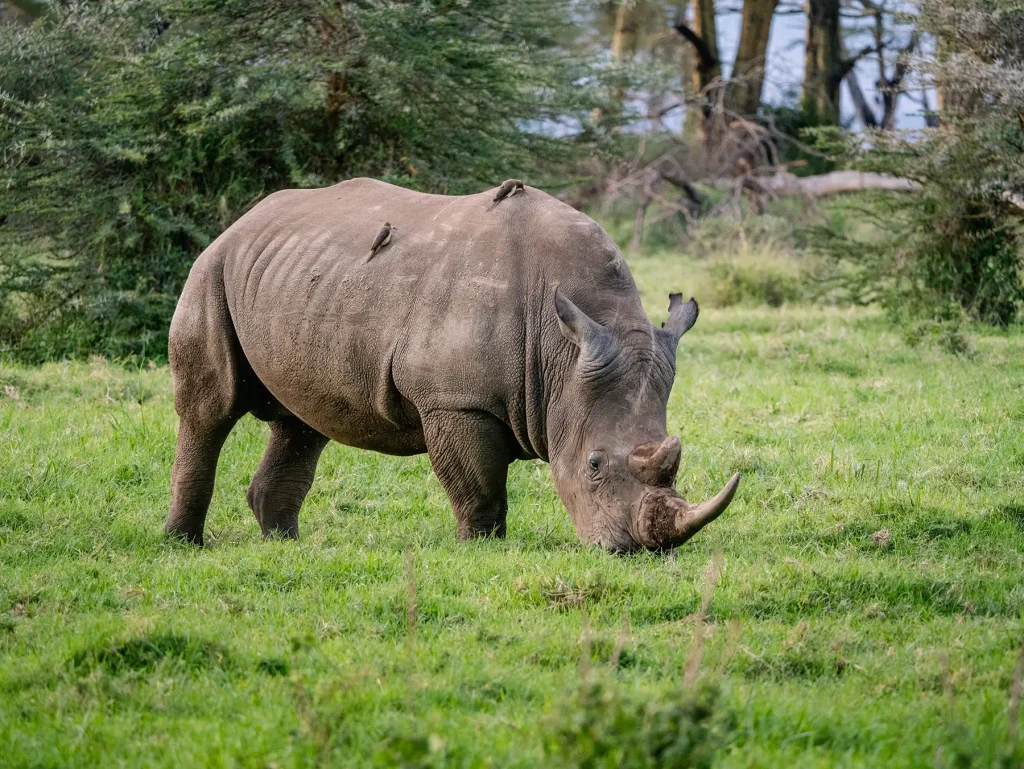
285,476
470,452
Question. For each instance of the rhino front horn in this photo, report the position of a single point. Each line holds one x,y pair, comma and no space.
666,520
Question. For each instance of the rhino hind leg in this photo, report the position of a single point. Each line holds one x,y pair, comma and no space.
214,386
192,478
285,476
470,452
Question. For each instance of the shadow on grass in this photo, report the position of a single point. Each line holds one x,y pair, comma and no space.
152,650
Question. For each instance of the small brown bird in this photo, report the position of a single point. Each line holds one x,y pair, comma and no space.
382,239
508,188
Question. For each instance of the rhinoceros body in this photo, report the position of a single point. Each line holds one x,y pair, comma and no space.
481,333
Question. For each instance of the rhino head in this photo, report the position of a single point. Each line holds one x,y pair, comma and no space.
613,462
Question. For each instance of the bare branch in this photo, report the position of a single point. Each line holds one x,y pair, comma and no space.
849,63
705,60
860,103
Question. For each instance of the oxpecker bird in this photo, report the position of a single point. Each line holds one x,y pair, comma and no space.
508,188
382,239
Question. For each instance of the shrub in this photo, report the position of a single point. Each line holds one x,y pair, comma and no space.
603,726
946,335
735,283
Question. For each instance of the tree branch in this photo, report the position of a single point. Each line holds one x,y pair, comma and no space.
891,88
847,65
676,180
900,70
705,61
867,115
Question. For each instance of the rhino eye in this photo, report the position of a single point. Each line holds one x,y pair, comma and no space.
595,463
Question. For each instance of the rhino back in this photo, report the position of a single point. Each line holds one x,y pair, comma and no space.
452,314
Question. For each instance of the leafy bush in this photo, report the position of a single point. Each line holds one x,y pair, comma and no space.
946,335
735,283
798,119
603,726
134,132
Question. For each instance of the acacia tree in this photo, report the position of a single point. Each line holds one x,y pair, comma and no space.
751,56
704,37
705,68
627,23
133,132
823,62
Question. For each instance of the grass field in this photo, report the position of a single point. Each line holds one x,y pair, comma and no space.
869,610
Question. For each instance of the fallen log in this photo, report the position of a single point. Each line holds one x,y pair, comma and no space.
785,184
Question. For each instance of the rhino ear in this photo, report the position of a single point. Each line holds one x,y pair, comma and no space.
576,325
681,317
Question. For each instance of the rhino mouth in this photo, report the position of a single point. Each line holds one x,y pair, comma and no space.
620,547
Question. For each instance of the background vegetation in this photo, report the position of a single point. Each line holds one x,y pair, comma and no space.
135,131
956,249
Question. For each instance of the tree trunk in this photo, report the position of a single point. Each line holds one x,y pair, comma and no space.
636,242
334,39
748,68
931,117
785,184
949,102
823,62
624,38
694,119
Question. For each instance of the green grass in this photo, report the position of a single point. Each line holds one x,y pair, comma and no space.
831,643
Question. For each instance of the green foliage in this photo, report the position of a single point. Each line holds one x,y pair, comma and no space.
604,727
134,132
801,122
960,241
731,260
946,335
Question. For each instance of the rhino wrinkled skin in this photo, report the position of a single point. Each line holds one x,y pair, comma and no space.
479,335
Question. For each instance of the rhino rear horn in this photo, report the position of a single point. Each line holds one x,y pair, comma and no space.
656,464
